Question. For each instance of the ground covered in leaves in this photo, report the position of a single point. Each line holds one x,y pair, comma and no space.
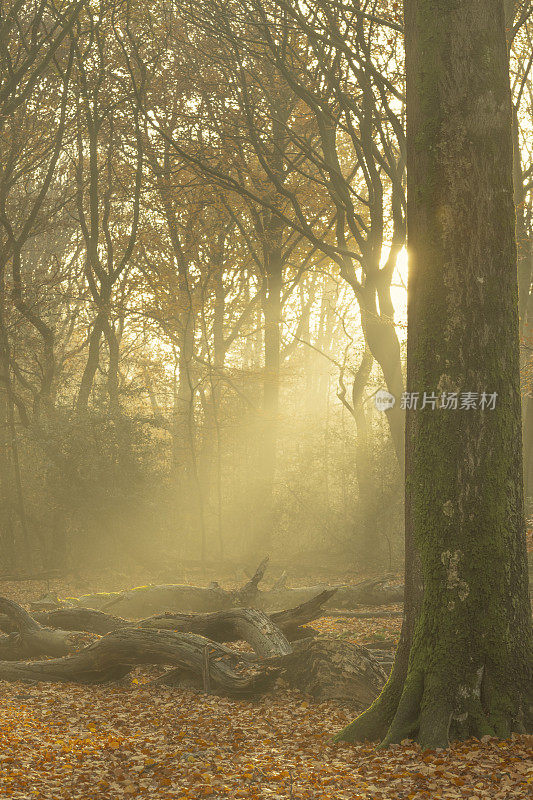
136,740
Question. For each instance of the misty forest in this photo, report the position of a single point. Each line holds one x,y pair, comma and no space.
266,399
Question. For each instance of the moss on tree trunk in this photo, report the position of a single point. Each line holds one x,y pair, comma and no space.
468,633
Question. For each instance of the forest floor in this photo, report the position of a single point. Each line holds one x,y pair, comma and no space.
132,739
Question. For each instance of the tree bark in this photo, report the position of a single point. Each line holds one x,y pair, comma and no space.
145,600
330,669
327,669
114,656
467,636
222,626
31,639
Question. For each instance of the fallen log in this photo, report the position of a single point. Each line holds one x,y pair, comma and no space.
29,638
332,669
371,592
244,624
144,601
327,669
116,654
222,626
186,598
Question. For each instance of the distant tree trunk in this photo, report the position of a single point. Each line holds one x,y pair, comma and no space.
326,332
367,538
113,347
183,424
7,541
91,365
469,640
268,429
219,356
211,468
308,353
524,303
11,463
382,340
184,432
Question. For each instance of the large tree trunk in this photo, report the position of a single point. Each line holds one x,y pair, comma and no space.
525,301
469,668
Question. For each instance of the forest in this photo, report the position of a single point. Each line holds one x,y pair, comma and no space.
266,399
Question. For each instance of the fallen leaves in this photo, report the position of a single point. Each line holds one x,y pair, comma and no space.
374,631
107,742
135,739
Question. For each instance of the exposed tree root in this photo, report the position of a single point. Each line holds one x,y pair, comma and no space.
372,725
433,712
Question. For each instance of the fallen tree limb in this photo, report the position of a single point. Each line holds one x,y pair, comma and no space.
217,625
144,601
311,609
246,624
234,624
114,655
331,669
29,638
80,619
326,668
247,594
